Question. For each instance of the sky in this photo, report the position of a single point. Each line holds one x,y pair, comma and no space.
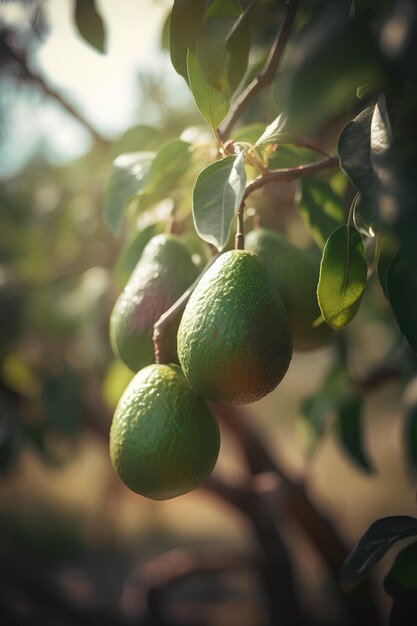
104,87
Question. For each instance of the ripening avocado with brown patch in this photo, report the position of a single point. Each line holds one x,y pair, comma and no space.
165,270
234,340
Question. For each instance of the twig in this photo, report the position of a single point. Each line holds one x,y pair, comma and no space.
266,76
173,312
22,61
287,174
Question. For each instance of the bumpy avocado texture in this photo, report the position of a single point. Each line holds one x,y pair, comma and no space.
164,271
234,340
164,440
295,274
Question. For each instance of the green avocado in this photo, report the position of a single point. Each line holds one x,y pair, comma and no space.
295,274
164,440
234,339
164,271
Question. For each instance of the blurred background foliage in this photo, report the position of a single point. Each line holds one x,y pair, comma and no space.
76,546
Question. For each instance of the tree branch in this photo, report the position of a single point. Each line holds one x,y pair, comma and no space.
21,59
266,76
287,174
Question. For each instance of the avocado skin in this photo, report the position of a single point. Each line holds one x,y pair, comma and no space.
295,275
164,271
164,439
234,339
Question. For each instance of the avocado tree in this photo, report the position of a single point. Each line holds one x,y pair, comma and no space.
307,117
345,95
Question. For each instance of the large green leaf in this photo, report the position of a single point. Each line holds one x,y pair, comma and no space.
342,276
89,23
401,287
187,19
128,177
212,104
170,162
321,208
222,49
355,160
217,196
373,545
349,429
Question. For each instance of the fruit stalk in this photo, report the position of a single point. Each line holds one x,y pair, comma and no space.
240,235
173,313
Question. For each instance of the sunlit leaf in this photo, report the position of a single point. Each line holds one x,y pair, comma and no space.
170,162
212,104
129,176
89,23
211,47
380,138
249,132
321,208
373,545
217,196
187,19
349,429
342,276
401,286
278,132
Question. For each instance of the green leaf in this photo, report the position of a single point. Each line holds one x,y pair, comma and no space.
410,438
89,23
385,251
355,161
138,138
314,410
187,20
249,132
403,574
217,196
238,48
171,161
222,49
321,208
342,276
373,545
212,104
278,132
129,176
349,429
401,286
380,138
291,156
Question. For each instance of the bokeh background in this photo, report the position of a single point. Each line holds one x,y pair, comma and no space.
77,547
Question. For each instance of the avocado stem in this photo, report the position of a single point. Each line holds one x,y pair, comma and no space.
172,313
240,235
